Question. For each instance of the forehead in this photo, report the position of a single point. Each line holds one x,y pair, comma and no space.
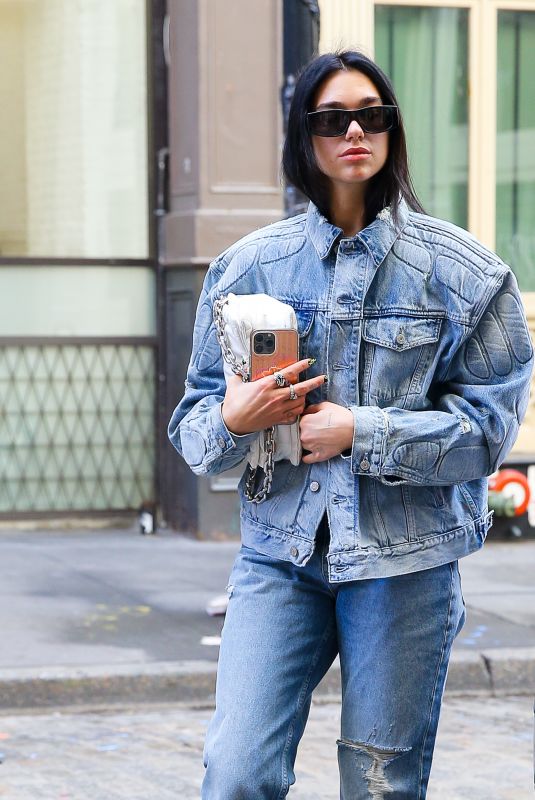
346,87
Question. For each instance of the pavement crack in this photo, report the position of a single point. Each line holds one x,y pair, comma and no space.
487,663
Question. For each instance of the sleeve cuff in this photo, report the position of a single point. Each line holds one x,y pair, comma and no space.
221,439
369,439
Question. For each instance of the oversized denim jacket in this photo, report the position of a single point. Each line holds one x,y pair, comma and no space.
421,331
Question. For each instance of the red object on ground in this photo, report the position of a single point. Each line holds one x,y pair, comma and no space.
512,483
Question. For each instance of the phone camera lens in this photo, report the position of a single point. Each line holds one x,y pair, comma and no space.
264,343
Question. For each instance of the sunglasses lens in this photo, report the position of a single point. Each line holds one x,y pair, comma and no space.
376,119
329,123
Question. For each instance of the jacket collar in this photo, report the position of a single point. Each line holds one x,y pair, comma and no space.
378,237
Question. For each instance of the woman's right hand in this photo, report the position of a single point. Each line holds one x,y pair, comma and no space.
259,404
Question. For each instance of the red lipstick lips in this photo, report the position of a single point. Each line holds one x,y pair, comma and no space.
355,151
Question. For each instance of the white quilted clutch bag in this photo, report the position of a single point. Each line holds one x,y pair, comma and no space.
236,317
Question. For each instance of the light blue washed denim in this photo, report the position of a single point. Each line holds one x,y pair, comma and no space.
284,627
422,333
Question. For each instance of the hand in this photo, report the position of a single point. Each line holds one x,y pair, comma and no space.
259,404
326,430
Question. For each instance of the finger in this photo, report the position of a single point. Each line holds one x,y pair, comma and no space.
295,408
290,417
270,381
312,458
293,370
303,387
313,408
290,372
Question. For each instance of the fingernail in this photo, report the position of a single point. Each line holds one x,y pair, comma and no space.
311,361
325,379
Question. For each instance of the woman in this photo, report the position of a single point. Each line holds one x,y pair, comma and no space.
421,334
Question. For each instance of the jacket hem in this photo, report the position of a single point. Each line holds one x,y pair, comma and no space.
386,562
426,553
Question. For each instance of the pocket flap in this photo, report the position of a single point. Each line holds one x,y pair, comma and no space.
399,332
305,318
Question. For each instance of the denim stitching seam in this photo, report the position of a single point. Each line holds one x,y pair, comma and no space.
324,562
433,696
300,700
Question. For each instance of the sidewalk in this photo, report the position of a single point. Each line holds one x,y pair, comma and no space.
483,751
113,616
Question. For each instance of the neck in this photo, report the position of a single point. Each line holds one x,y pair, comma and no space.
347,208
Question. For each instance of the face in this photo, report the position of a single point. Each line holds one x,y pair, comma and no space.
349,89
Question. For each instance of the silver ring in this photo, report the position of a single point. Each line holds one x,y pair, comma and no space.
293,395
280,380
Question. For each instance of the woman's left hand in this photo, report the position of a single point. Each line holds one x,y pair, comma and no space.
326,430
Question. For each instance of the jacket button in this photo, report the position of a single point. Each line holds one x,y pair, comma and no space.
400,338
294,552
365,464
314,486
220,441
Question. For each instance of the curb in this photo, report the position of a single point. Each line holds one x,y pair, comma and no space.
494,671
490,672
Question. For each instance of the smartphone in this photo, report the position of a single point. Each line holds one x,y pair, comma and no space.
272,350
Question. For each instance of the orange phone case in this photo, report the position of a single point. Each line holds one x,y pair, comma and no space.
286,352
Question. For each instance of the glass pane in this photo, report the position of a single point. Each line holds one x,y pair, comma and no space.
73,138
424,51
80,301
515,145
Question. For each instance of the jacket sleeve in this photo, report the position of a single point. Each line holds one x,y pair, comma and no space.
196,428
477,412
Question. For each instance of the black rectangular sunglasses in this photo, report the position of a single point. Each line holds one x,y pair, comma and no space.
336,121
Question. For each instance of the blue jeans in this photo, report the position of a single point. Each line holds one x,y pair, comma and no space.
284,627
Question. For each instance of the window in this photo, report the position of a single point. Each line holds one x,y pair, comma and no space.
73,152
515,145
424,51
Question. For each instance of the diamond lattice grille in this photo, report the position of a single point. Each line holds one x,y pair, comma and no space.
76,427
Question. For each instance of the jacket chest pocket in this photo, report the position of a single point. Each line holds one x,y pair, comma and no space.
397,351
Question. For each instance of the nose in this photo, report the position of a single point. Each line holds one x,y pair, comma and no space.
354,130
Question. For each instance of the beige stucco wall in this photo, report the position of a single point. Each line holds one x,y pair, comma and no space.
225,124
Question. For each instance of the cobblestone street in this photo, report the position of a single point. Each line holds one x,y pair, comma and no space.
484,752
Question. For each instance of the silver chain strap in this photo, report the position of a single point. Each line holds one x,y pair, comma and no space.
241,368
238,367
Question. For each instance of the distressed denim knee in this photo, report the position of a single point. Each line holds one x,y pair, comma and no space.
368,762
